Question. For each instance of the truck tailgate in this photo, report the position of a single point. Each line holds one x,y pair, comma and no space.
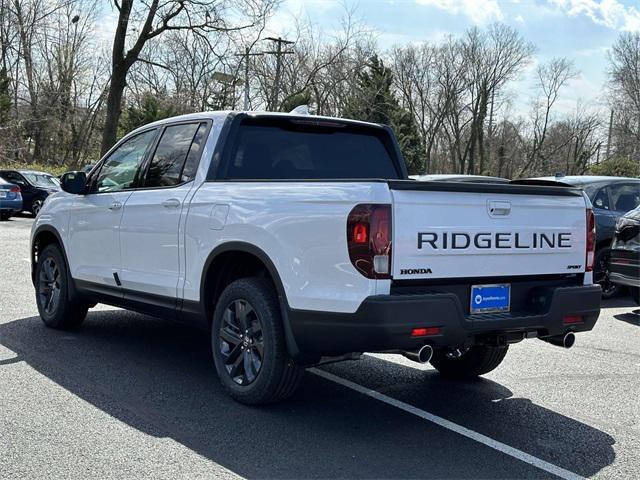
450,230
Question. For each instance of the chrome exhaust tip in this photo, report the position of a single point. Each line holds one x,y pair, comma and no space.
565,341
422,355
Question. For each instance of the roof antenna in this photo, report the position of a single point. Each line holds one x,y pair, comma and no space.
301,110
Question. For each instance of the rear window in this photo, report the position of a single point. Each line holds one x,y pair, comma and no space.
289,150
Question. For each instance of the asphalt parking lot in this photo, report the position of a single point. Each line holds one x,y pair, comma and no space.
130,396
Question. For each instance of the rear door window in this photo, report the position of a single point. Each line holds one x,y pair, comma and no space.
625,197
178,144
195,152
281,151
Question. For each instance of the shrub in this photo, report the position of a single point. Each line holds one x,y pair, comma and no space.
617,167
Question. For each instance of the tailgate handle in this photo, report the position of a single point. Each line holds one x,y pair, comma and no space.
498,208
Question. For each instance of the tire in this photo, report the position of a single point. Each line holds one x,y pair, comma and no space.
253,366
635,294
478,360
52,292
36,206
4,216
601,274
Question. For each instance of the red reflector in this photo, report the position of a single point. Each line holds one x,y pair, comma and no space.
360,233
569,319
591,241
425,332
15,189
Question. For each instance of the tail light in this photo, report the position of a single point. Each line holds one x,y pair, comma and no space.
591,241
15,189
369,240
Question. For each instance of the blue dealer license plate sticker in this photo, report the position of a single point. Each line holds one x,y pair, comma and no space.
490,298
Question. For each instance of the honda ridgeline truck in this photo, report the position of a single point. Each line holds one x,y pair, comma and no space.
296,240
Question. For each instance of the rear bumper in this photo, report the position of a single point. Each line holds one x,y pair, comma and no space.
385,322
632,280
624,267
11,205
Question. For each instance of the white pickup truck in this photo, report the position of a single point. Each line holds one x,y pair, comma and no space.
296,240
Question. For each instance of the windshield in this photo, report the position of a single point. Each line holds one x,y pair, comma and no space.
42,180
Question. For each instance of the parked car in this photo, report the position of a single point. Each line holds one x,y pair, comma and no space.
611,197
458,178
10,199
280,246
35,187
624,264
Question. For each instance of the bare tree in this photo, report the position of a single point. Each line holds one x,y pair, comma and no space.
551,77
320,70
495,58
153,18
624,74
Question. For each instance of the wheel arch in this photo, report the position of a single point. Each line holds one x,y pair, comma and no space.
233,260
44,236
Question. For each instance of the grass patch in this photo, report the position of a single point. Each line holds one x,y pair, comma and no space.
41,167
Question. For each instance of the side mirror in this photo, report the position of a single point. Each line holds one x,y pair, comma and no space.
74,182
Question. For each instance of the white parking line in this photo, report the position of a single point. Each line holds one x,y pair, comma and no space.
454,427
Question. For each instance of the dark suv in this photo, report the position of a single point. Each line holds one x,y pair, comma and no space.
611,197
35,186
625,253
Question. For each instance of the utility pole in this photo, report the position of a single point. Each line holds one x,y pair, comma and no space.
246,55
279,52
609,135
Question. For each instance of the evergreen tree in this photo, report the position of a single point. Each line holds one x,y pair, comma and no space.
150,110
294,101
376,103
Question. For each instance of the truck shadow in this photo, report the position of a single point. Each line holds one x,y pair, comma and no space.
632,317
158,378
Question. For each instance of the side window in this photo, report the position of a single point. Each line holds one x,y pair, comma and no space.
625,197
193,158
118,172
169,159
601,200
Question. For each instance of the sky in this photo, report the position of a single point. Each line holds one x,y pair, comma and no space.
581,30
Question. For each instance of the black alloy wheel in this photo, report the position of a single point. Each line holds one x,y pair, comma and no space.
56,307
36,207
249,346
49,287
241,343
602,275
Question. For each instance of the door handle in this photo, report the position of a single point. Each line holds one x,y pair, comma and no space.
115,206
171,203
498,208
